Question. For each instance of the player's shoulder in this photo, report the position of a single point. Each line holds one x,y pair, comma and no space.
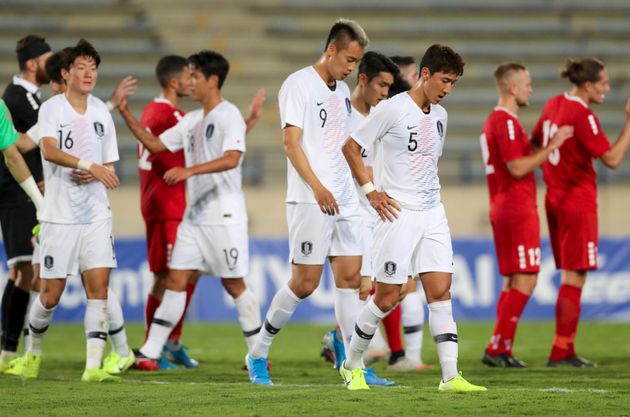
501,114
53,103
439,110
343,87
98,104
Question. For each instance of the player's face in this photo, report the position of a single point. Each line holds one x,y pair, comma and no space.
341,62
409,73
200,85
184,83
82,75
40,73
597,90
378,88
438,85
522,88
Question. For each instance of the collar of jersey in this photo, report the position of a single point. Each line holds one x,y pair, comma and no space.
162,99
576,99
505,109
28,86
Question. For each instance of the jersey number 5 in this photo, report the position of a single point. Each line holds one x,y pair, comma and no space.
549,131
485,153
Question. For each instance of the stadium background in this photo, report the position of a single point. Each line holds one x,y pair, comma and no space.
265,40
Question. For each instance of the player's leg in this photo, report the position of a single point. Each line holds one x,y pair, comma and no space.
121,357
157,256
247,308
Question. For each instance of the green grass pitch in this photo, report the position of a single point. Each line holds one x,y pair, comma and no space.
306,386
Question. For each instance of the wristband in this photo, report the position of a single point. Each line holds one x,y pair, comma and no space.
110,106
84,165
368,187
32,190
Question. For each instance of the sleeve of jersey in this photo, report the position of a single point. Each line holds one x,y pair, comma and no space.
173,138
590,134
33,133
47,122
110,144
537,133
8,134
292,103
234,139
373,127
508,135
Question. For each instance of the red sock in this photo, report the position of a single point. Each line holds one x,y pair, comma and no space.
392,329
501,301
495,345
567,318
176,333
149,311
515,303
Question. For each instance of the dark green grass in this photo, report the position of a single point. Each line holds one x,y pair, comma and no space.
306,386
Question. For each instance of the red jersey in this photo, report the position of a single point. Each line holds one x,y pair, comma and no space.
503,139
158,200
568,171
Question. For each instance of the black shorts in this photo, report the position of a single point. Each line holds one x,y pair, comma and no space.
17,226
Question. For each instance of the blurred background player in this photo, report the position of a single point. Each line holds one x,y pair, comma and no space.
408,68
412,237
163,205
213,236
571,199
75,130
510,163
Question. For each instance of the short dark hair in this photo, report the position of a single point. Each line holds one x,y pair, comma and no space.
345,31
403,61
398,86
441,58
210,63
83,48
502,70
374,63
57,62
29,47
168,67
582,71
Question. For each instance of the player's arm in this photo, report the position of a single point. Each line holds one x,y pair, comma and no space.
614,156
229,160
19,170
125,88
255,110
385,206
291,139
51,153
152,143
522,166
24,143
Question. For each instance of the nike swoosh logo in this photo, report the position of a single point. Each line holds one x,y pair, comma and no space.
66,125
411,127
319,104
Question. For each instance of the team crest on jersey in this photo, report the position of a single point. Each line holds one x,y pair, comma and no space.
99,129
440,129
307,248
209,131
348,105
390,268
48,261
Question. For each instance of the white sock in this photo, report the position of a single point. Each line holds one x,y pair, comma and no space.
27,332
117,333
412,319
444,332
280,311
7,356
166,317
347,307
248,316
367,322
96,325
39,319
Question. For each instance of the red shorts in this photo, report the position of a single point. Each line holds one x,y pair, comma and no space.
517,242
573,236
161,235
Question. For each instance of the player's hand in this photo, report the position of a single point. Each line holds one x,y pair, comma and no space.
386,207
42,186
256,106
326,201
627,109
81,177
563,133
125,88
123,105
105,175
177,174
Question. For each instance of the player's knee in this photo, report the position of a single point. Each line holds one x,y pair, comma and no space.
364,294
387,303
176,282
234,287
438,295
49,299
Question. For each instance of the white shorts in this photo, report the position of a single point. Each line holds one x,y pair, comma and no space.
36,254
313,235
218,250
416,242
367,232
69,249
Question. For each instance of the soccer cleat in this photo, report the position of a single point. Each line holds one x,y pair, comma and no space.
5,365
115,364
459,384
515,362
340,350
30,366
327,351
502,360
354,379
179,355
374,380
98,375
143,363
166,365
577,361
15,366
407,365
257,369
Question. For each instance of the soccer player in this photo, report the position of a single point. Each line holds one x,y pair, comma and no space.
212,237
509,164
571,199
17,212
412,236
408,68
163,205
76,130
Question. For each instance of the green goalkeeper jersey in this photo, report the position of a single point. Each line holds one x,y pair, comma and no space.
8,134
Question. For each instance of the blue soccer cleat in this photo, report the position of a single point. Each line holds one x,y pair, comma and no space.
179,355
374,380
257,368
166,365
340,351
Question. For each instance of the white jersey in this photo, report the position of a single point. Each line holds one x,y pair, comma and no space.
407,144
91,137
215,198
368,213
322,113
